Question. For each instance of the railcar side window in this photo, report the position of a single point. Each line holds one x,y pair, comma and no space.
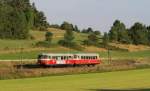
86,57
75,56
95,57
65,57
62,58
55,57
49,57
70,57
82,57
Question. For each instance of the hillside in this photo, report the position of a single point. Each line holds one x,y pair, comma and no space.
27,49
10,45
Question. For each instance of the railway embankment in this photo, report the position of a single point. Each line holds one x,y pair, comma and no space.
29,68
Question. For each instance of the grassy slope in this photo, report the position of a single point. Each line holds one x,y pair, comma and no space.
135,79
39,36
58,35
114,54
10,49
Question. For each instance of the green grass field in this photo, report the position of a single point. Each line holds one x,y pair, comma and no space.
121,80
114,54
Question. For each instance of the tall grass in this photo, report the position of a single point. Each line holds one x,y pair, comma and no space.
13,70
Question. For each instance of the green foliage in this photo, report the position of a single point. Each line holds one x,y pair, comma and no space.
124,37
97,32
54,26
93,39
148,30
118,32
48,36
47,42
105,40
69,42
88,30
40,21
14,19
67,26
18,17
69,36
43,44
76,29
138,33
68,39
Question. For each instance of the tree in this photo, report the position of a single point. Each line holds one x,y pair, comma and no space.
92,40
54,26
68,39
124,37
116,31
48,36
119,33
138,33
18,17
14,20
88,30
69,36
67,26
40,21
97,32
113,33
47,41
148,34
76,29
105,40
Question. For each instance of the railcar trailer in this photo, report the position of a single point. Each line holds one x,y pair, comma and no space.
53,59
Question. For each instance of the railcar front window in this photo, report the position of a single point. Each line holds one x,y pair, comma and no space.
42,56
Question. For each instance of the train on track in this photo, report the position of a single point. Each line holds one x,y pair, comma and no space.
54,59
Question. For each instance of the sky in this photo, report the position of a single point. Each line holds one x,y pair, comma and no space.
98,14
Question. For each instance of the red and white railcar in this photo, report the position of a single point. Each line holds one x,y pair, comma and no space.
50,59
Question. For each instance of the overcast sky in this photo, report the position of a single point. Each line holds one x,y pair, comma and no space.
99,14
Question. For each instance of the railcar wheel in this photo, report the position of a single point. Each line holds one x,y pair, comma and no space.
74,65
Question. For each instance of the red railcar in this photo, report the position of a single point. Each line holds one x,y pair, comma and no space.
51,59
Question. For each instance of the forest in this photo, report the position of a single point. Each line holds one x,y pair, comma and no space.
18,17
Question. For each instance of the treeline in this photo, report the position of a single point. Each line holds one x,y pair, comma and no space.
137,34
69,26
17,17
65,26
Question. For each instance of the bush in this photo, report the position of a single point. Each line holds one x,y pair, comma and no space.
43,44
48,36
71,45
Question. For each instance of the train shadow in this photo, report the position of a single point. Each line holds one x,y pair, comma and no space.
119,89
35,66
27,66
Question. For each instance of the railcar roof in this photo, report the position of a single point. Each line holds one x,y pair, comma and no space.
70,54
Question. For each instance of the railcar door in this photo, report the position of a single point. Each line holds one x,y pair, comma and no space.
60,60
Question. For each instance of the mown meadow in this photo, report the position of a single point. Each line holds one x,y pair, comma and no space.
133,80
